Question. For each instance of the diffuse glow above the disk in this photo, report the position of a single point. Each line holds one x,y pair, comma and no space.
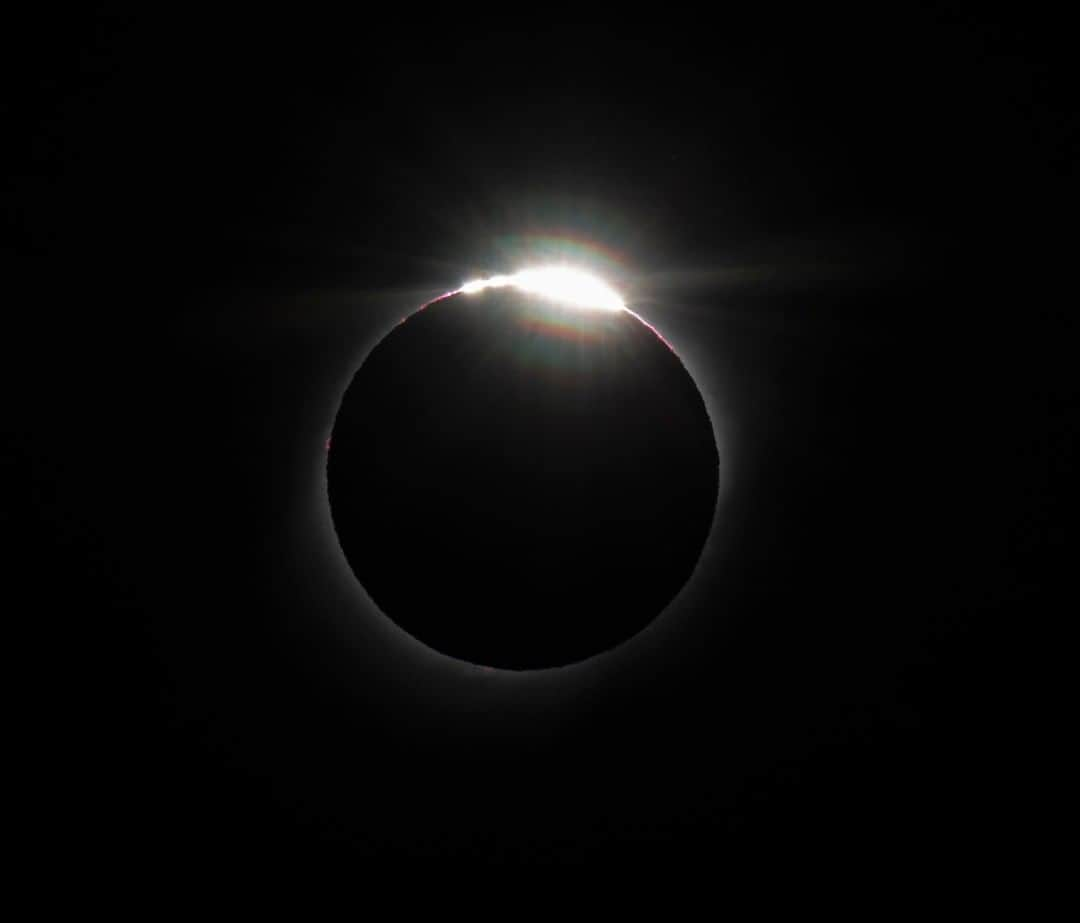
561,284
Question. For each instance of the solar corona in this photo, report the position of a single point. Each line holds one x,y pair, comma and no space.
522,473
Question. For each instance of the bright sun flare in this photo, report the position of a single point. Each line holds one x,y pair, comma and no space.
559,283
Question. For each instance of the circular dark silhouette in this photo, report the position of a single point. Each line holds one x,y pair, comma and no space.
522,483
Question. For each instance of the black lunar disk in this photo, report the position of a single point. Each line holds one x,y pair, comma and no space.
522,483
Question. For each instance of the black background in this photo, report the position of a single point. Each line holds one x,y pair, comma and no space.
851,229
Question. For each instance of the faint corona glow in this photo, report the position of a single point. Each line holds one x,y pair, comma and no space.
558,283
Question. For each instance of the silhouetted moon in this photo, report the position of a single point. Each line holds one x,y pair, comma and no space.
522,482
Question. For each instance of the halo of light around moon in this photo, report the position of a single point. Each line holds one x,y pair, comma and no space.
523,474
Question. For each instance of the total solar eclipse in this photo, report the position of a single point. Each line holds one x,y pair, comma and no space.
522,474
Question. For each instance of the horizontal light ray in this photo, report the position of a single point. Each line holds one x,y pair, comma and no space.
558,283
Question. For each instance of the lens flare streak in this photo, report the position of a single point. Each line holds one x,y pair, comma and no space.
558,283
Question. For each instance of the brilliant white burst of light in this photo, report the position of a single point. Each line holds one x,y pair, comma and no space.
559,283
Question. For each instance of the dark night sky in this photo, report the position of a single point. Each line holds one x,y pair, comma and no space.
848,228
